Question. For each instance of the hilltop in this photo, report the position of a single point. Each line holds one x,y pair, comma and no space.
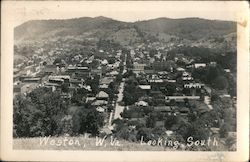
192,29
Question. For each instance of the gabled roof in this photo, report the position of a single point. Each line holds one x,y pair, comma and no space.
102,94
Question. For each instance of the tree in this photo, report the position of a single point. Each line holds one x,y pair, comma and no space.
39,113
197,129
119,78
230,142
151,120
171,89
44,63
211,118
78,96
145,133
111,60
214,97
224,130
220,83
94,84
66,125
172,102
159,132
93,122
119,124
57,61
79,117
123,132
65,87
212,73
152,52
170,121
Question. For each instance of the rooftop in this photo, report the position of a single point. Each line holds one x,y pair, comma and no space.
102,94
145,87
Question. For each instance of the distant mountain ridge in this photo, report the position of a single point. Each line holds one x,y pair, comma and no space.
188,28
185,28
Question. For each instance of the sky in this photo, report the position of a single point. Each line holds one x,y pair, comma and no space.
128,11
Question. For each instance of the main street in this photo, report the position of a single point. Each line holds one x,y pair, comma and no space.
119,108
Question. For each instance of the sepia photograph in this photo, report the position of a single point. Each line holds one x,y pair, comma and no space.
123,78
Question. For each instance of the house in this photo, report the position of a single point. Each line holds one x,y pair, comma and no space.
180,69
149,71
141,103
213,64
17,88
31,80
193,89
106,80
227,70
163,108
156,81
29,87
188,78
99,103
76,82
78,71
215,130
100,109
52,86
184,110
171,80
155,93
50,69
193,85
87,87
140,120
162,65
66,95
56,81
226,100
104,62
160,123
90,99
145,87
64,77
199,65
181,98
137,67
113,73
103,86
96,72
102,95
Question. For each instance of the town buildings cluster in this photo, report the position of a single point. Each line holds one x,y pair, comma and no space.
131,85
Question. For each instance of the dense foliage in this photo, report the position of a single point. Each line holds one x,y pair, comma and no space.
43,113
